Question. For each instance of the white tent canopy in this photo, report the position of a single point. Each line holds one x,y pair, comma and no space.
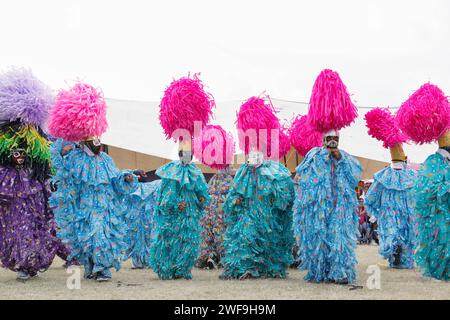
134,125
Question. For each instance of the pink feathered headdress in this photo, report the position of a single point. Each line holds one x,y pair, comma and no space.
382,126
330,106
425,116
214,147
184,102
304,136
78,113
257,115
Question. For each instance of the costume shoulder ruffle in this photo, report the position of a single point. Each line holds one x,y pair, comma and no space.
396,179
184,174
87,169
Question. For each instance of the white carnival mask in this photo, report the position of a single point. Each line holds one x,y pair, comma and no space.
255,158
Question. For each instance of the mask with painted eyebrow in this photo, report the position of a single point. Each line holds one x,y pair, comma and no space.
18,156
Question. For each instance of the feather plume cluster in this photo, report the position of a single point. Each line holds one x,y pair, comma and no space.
425,116
330,106
284,142
382,126
24,97
214,147
303,135
78,113
184,102
257,116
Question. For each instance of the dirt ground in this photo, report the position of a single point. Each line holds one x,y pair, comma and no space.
144,284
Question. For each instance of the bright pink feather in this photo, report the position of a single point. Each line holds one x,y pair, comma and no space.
304,136
257,114
330,106
382,126
184,102
78,113
425,116
284,142
214,147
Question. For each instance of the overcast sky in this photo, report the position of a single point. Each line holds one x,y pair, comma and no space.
132,49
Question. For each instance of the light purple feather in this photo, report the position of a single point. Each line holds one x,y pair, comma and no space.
24,97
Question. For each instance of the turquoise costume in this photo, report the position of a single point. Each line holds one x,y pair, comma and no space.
176,236
258,210
432,193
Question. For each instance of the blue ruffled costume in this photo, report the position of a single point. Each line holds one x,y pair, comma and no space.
89,210
258,240
140,209
391,202
432,193
176,235
326,220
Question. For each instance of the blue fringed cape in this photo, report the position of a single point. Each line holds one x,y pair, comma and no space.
176,236
390,200
258,240
140,210
432,194
88,207
326,219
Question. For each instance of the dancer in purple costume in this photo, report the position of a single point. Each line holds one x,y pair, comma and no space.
27,245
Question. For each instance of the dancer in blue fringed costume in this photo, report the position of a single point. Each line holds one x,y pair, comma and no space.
180,202
89,210
88,205
326,220
64,250
390,201
433,214
140,210
258,241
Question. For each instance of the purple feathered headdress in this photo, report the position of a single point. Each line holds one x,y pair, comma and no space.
24,97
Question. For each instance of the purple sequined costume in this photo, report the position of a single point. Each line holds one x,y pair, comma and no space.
26,241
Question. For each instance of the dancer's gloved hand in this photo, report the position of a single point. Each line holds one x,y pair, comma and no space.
53,186
182,206
335,153
141,174
129,178
66,149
